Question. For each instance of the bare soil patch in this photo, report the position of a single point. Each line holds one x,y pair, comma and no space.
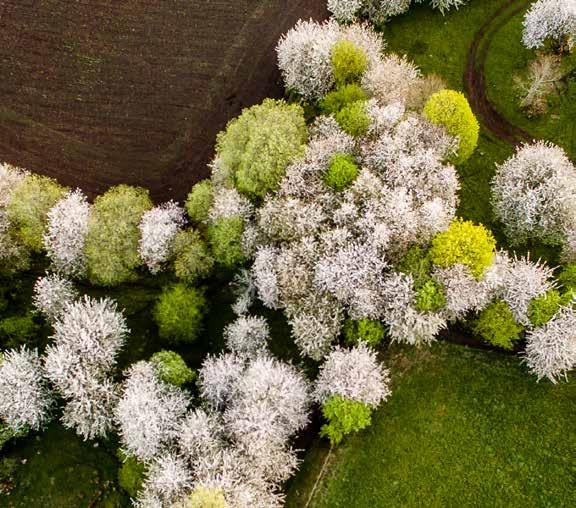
101,92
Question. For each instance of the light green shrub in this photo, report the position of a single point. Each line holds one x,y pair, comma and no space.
344,417
172,368
349,62
192,259
354,119
199,201
542,308
341,97
430,297
225,239
496,325
366,330
341,172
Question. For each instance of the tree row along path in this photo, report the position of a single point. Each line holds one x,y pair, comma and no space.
475,80
99,92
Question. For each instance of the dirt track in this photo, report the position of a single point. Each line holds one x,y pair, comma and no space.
475,81
100,92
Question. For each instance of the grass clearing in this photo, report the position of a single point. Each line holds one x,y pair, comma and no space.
463,427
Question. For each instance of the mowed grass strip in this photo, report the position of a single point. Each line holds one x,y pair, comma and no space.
463,427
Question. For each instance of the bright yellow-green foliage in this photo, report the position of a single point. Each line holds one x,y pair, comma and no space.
430,297
344,417
172,368
341,173
342,96
192,258
542,309
464,243
353,118
225,239
131,475
258,145
497,326
366,330
451,109
28,208
349,62
203,497
199,201
179,313
113,235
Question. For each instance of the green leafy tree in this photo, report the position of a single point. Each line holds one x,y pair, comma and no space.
354,119
430,297
179,313
199,201
225,239
344,417
203,497
542,308
258,145
465,243
417,263
172,368
364,330
496,325
192,258
28,209
451,109
131,475
341,97
113,235
341,172
349,62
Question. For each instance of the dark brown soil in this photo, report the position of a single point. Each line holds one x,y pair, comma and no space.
475,82
101,92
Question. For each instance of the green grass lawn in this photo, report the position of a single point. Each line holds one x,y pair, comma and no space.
463,427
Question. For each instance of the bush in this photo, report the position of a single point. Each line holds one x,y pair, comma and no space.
225,239
18,330
542,309
496,325
464,243
341,173
451,109
430,297
199,201
192,259
172,368
28,209
366,330
349,62
341,97
259,144
113,235
203,497
179,313
131,476
354,119
417,263
344,417
567,277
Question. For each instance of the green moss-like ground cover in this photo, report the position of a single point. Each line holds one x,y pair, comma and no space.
463,427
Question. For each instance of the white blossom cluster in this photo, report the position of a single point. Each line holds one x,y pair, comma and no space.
550,19
534,194
88,335
158,227
148,413
25,399
247,336
66,232
551,348
391,78
52,293
353,374
305,52
324,254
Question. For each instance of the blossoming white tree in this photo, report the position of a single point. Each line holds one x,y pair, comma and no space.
52,293
550,19
247,336
25,399
66,233
158,227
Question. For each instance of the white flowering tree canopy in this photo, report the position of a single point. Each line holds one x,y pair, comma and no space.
52,293
353,374
158,227
66,233
550,19
534,194
25,398
551,348
247,336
